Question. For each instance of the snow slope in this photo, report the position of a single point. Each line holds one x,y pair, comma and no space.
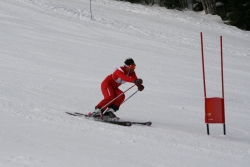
54,57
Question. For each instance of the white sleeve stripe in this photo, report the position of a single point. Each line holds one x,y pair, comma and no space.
108,91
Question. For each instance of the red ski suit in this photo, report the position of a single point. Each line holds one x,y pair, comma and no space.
110,88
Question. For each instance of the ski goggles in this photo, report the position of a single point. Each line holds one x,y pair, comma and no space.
132,66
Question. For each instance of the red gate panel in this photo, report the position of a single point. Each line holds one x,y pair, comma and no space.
214,110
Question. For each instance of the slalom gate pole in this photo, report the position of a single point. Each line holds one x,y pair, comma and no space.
130,96
90,9
117,97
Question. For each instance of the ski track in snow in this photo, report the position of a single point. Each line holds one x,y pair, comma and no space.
53,58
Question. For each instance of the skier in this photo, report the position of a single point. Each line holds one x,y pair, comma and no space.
110,89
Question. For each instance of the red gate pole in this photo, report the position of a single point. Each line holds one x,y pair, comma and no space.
203,70
222,80
222,77
203,67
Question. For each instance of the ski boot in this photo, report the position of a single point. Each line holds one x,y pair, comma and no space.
95,114
109,115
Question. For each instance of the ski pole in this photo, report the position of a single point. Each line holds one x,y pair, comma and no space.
117,97
130,96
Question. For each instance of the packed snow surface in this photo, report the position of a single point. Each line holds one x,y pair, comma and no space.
53,58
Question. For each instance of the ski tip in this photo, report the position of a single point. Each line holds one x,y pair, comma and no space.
143,123
126,123
70,113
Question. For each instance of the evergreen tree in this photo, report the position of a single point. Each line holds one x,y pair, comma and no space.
133,1
170,4
209,6
239,13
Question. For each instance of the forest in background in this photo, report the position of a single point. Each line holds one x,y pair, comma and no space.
232,12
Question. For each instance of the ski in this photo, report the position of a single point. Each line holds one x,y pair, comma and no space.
76,114
122,123
73,114
149,123
142,123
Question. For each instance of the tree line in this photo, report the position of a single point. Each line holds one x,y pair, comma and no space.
232,12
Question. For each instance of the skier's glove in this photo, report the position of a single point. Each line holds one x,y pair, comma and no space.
138,81
140,87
